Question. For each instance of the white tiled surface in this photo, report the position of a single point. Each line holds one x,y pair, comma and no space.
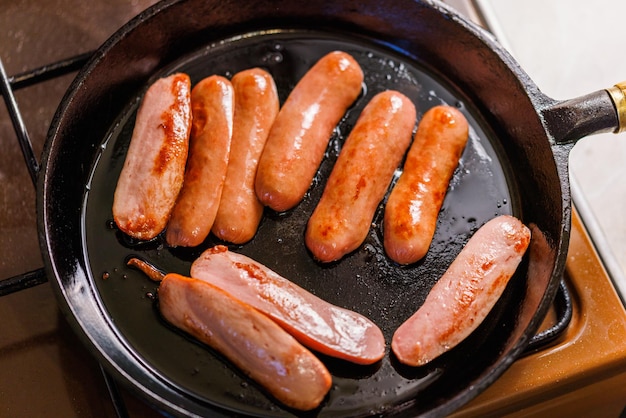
570,48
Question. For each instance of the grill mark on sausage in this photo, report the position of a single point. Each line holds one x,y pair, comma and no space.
173,126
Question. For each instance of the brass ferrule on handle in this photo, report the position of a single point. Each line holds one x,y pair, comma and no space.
618,94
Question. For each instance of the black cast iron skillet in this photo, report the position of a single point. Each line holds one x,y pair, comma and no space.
515,163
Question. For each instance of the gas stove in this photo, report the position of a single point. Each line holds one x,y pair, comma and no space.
575,366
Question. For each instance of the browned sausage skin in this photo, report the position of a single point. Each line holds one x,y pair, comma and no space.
300,134
413,206
153,171
361,176
465,294
212,103
248,338
256,107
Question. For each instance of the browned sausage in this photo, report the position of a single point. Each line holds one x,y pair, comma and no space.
212,104
300,134
361,176
319,325
256,106
155,163
414,203
249,339
465,294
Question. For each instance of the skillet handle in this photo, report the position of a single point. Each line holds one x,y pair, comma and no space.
598,112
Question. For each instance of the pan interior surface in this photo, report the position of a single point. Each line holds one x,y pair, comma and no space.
365,281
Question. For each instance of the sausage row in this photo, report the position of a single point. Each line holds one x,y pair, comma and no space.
242,152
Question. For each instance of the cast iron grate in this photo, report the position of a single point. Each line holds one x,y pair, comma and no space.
562,302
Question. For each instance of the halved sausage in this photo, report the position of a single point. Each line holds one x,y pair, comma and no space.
319,325
301,132
465,294
153,170
248,338
212,103
361,176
